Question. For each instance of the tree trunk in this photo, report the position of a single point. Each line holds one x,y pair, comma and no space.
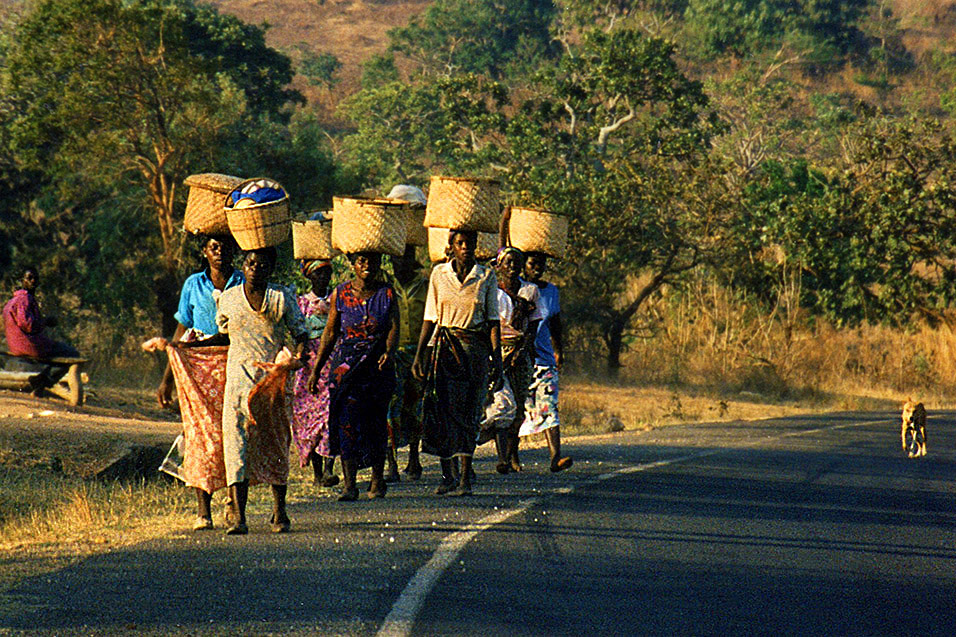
614,338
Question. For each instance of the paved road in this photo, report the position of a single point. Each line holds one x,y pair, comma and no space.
795,526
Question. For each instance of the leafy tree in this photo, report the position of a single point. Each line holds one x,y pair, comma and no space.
873,241
320,68
617,139
110,104
476,36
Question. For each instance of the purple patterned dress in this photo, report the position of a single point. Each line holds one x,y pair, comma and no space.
358,391
310,412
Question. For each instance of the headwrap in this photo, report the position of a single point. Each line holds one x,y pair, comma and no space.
505,250
411,194
308,266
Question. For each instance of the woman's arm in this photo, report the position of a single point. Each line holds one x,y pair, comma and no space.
216,339
496,368
428,328
391,341
329,335
557,338
504,228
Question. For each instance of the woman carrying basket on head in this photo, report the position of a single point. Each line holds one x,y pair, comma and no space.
200,376
461,313
359,342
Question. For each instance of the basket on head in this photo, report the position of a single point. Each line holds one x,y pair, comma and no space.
369,225
258,225
463,204
204,211
532,230
312,239
486,249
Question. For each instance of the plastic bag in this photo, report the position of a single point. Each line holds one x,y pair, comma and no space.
501,411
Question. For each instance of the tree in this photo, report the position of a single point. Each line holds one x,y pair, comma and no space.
110,104
617,138
873,240
482,37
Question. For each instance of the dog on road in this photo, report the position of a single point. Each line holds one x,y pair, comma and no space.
913,429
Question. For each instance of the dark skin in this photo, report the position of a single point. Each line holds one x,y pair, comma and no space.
31,283
320,278
257,267
462,246
534,271
367,267
406,267
219,256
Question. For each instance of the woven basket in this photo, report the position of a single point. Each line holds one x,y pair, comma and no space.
438,240
416,234
463,204
369,225
312,240
539,231
204,211
259,225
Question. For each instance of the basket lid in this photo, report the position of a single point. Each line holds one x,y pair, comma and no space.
214,181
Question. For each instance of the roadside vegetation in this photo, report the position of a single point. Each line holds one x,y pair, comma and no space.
762,193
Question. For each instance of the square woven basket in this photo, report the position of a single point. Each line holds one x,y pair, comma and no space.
463,204
369,225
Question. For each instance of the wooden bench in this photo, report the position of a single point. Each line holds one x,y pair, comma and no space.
72,393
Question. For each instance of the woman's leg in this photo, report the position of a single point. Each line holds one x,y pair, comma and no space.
378,486
280,518
502,447
317,467
329,479
203,510
239,493
464,479
349,490
558,463
447,477
393,475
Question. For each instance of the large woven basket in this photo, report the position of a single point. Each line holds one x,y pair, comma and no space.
369,225
463,204
534,230
259,225
312,239
204,211
438,241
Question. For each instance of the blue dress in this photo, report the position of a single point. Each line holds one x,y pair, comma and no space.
358,391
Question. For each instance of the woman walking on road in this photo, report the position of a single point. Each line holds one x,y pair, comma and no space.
360,337
310,411
461,313
253,320
519,314
200,377
541,408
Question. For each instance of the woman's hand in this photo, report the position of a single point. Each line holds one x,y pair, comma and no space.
165,393
313,384
417,370
383,360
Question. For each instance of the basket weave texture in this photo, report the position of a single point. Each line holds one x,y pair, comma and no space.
369,225
486,249
204,209
463,204
415,233
312,240
259,225
534,230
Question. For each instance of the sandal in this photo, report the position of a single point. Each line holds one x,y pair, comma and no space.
560,464
202,524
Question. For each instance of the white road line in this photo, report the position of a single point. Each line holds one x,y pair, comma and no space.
399,621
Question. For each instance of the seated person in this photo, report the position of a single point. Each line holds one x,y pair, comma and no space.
26,327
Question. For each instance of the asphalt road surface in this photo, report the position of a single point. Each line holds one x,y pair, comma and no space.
799,526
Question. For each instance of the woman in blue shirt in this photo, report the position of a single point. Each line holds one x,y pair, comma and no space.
197,320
